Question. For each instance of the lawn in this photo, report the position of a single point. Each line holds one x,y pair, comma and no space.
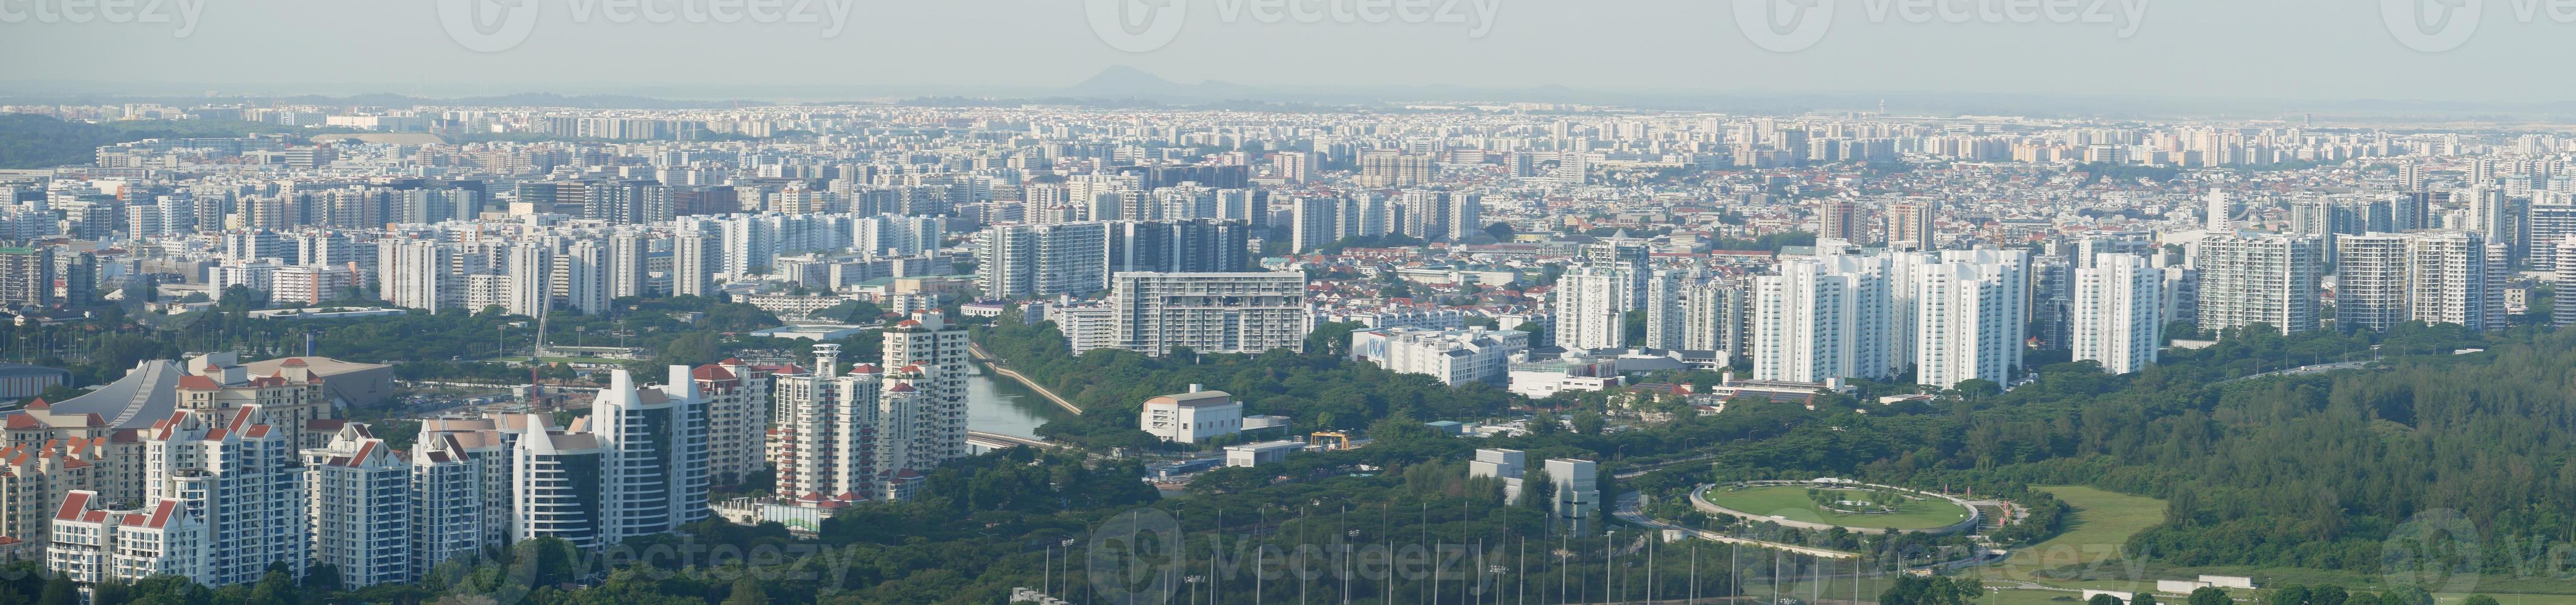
2090,555
1790,502
2094,540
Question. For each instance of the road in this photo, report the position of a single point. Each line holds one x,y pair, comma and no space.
2302,370
1630,508
1635,472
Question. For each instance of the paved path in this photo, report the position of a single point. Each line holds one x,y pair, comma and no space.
1002,441
1629,509
2314,369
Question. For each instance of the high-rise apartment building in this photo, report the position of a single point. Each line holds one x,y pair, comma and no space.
871,434
637,465
1839,219
1592,303
1392,169
26,277
1824,317
1314,222
1189,246
1693,312
35,476
236,468
1043,261
1158,313
459,500
1623,253
95,541
2259,279
1295,167
1970,311
824,444
1913,221
1950,316
2436,277
738,400
654,443
2116,313
2372,281
2220,213
931,353
2565,314
360,505
2549,225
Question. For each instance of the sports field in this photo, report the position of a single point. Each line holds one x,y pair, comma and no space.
1790,502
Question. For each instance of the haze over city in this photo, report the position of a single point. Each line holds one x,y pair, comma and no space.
2328,53
1375,302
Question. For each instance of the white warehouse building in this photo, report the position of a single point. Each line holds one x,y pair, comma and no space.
1454,357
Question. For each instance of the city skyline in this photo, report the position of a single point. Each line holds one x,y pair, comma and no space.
308,302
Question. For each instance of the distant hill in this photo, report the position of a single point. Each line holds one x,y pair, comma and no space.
34,141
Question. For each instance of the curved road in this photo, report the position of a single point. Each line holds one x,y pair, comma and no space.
1629,508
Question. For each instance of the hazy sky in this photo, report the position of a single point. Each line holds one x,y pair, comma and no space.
2261,49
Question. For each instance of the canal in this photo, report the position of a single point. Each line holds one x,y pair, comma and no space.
1000,405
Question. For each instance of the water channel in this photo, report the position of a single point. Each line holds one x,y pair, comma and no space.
995,404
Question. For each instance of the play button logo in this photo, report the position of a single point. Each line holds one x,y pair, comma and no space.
488,26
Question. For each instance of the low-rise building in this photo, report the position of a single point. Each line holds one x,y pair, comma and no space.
1507,465
20,381
1257,454
1453,357
1192,417
1575,371
1577,487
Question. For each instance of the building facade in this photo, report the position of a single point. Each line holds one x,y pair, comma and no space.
1454,357
2259,279
2115,313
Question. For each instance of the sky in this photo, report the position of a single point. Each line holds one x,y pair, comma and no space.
2326,50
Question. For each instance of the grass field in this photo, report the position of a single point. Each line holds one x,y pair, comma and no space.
2094,538
1790,502
2089,554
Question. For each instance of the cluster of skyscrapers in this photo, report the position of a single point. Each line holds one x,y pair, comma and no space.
208,472
871,432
